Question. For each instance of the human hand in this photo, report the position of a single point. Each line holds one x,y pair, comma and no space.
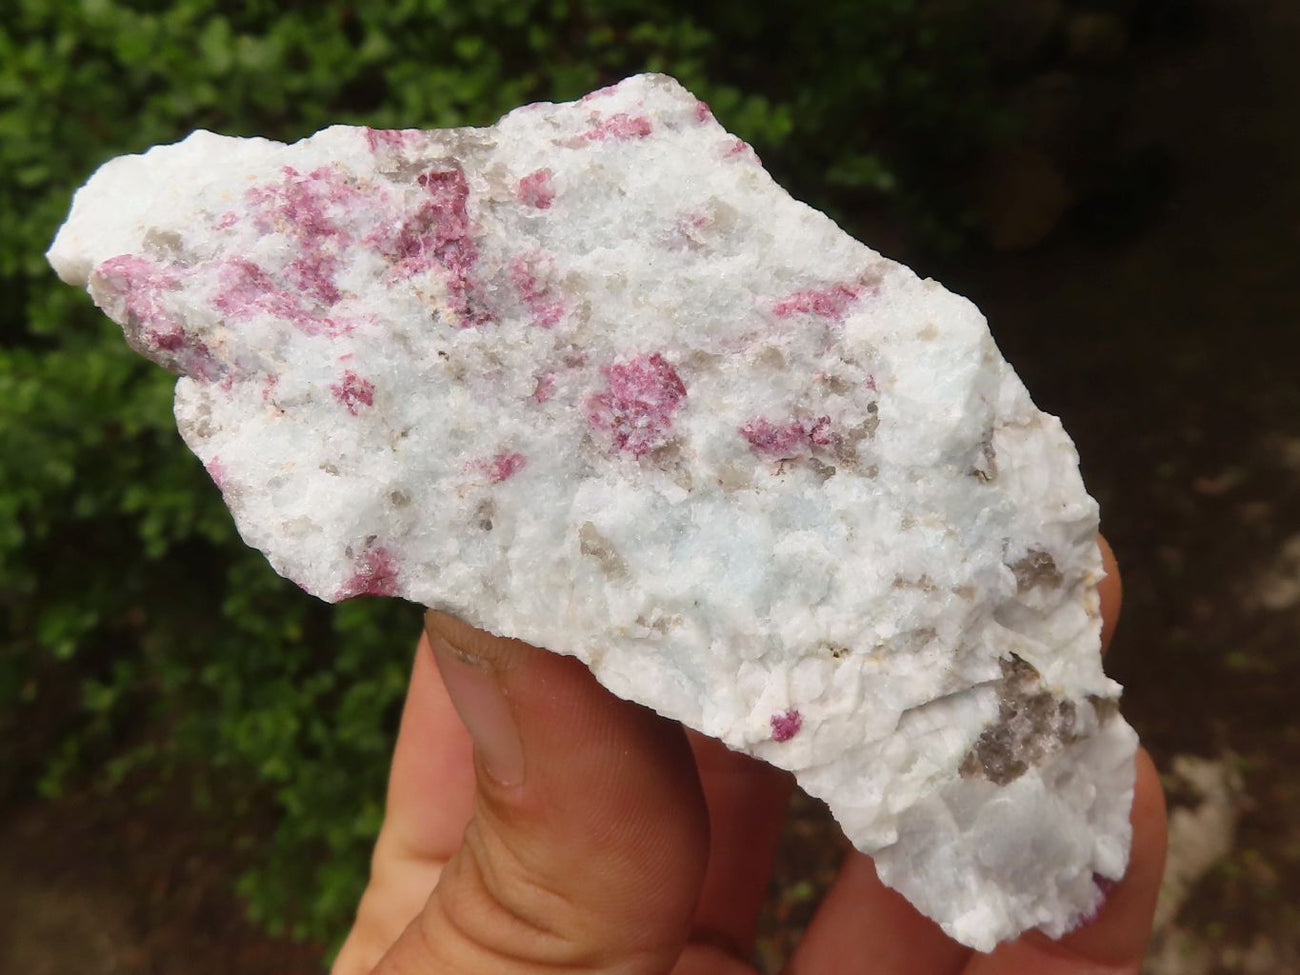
569,831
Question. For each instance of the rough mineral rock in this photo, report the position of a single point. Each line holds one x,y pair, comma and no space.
590,378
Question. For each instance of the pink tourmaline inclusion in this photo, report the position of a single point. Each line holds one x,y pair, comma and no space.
786,725
376,575
545,309
591,96
216,470
244,290
437,234
787,440
638,404
621,128
830,302
312,210
390,138
544,389
503,466
143,285
354,392
298,204
535,190
739,147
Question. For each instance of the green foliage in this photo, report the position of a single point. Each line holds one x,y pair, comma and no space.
140,637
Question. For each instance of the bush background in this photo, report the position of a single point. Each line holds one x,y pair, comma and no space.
142,642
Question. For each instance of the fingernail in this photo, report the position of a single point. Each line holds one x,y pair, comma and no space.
475,691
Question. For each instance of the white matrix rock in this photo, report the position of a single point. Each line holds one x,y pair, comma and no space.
590,378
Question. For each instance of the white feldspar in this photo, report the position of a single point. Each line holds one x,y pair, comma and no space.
590,378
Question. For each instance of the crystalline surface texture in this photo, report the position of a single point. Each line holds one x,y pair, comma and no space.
590,378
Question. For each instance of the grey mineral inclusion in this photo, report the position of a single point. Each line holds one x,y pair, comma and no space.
590,378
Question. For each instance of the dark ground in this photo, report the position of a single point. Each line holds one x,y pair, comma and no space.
1161,321
1167,338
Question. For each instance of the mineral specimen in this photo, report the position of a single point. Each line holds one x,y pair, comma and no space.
590,378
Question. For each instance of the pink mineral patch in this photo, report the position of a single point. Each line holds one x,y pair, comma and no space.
638,404
437,234
170,340
216,470
831,302
535,190
376,575
317,211
354,392
688,227
702,111
308,206
740,149
144,284
312,273
621,128
389,138
598,93
788,440
544,389
786,725
819,434
536,295
244,289
775,440
503,466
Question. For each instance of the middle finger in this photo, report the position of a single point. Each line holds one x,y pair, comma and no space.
747,802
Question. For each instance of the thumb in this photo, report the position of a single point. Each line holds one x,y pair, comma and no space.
589,838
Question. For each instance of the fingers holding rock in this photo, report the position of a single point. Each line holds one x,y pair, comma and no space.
589,835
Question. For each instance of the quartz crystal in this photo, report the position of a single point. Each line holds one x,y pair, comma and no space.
591,379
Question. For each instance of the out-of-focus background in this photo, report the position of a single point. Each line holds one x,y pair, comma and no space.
193,753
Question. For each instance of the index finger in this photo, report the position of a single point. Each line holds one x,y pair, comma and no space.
1115,941
1110,592
430,802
